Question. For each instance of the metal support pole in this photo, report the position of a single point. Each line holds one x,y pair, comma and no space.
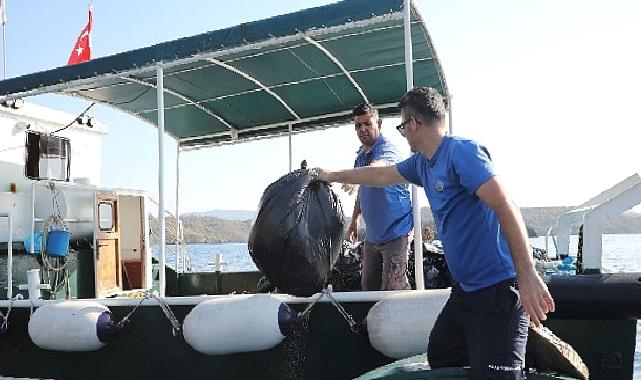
290,147
10,258
161,180
4,48
149,270
409,73
407,29
94,214
178,241
33,218
186,254
10,254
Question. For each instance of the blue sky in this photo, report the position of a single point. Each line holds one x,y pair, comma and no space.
550,87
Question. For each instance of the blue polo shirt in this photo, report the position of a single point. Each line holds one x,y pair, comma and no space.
476,250
387,211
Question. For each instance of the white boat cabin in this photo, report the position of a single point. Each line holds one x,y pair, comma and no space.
50,168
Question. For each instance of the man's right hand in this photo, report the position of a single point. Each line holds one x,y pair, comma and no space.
373,176
321,175
352,232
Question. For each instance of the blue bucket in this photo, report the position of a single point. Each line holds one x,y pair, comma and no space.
36,247
58,243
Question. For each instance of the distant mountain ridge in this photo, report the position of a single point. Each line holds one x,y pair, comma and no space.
232,226
205,229
538,221
225,214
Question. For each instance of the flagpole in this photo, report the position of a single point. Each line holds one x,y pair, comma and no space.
416,210
91,22
3,16
4,50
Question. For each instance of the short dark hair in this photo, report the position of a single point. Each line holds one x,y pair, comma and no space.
363,109
424,103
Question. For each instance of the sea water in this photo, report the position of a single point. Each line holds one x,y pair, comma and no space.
621,253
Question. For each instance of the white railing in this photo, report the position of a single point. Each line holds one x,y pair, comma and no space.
612,202
549,235
180,248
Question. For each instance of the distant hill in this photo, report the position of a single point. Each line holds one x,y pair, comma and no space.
204,227
539,219
225,214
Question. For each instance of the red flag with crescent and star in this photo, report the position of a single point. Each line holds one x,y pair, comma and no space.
82,49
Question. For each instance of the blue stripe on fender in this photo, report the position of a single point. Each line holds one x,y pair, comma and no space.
287,318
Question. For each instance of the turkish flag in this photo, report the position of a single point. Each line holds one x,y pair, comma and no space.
82,49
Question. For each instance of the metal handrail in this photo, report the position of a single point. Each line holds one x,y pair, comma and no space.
158,204
179,238
548,235
9,254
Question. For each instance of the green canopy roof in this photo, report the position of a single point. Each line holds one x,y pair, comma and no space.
306,70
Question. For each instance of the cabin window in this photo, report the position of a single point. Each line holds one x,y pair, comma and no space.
47,157
105,216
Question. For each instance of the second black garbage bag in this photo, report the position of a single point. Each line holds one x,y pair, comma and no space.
298,233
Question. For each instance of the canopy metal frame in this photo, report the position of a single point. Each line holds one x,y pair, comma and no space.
319,32
185,98
257,82
340,66
383,17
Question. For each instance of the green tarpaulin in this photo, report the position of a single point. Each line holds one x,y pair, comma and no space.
306,70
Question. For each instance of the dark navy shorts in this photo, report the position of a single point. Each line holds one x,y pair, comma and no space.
485,329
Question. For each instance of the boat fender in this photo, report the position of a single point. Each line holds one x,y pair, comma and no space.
399,325
233,324
71,326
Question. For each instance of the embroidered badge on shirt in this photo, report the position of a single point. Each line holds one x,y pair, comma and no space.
440,186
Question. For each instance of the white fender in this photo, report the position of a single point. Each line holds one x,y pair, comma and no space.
233,324
400,325
71,326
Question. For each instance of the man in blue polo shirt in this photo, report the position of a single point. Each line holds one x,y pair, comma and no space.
387,211
485,321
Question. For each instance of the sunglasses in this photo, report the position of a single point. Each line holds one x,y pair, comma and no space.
401,127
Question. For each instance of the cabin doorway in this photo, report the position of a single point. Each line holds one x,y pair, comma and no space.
132,241
108,263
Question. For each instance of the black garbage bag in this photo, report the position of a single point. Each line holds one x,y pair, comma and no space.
436,273
297,235
346,274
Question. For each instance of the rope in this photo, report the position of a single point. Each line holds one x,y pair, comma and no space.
55,271
126,319
57,220
5,317
348,317
175,325
308,309
327,292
